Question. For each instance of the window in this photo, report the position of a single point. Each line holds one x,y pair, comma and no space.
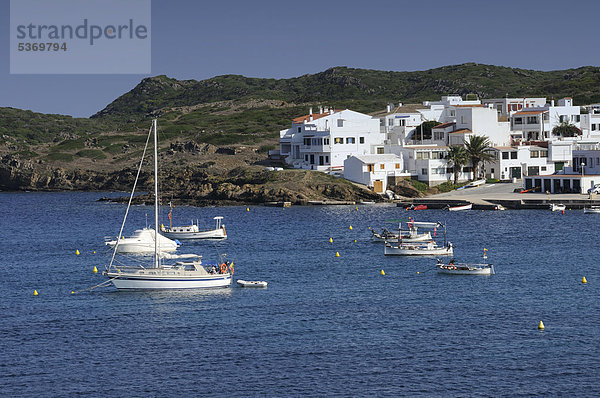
361,140
535,154
543,168
437,155
543,154
575,118
426,155
424,172
593,127
518,120
340,122
397,165
402,122
327,159
513,155
452,113
339,140
504,155
326,141
381,122
419,155
563,118
350,140
462,119
299,129
371,168
307,141
382,166
390,122
438,135
380,150
306,158
532,119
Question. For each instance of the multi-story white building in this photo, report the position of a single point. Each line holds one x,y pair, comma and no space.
324,140
518,161
508,106
590,122
536,124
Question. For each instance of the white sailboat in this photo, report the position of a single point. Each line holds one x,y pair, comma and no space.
189,273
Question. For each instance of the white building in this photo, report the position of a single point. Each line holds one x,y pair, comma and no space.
324,140
590,122
375,170
536,124
508,106
518,161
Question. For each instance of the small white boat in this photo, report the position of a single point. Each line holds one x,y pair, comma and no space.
557,207
499,207
592,210
243,283
455,268
418,249
193,232
412,235
142,242
462,207
473,184
464,268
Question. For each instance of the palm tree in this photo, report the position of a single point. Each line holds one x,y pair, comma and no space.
457,157
477,151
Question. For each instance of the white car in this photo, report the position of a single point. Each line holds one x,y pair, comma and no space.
594,189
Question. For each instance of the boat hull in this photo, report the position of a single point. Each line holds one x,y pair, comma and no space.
417,238
256,284
212,234
588,210
459,208
462,270
417,251
159,281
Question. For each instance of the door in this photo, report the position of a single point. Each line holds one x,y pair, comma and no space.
515,172
378,186
321,161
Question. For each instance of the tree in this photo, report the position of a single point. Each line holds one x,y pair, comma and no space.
566,129
423,131
457,157
477,151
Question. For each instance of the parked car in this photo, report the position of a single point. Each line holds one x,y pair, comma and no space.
594,189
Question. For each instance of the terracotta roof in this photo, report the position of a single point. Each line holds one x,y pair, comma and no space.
504,147
444,125
315,116
432,147
529,112
468,106
463,131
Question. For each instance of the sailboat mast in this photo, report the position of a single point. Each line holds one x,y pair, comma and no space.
155,198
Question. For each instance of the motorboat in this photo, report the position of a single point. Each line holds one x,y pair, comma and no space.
193,232
557,207
187,272
468,206
243,283
410,235
142,242
417,207
592,210
454,268
418,249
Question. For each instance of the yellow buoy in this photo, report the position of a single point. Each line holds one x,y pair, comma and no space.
94,252
330,240
95,270
77,252
583,280
369,227
354,240
541,326
72,292
382,272
350,227
337,254
417,272
35,293
247,209
356,208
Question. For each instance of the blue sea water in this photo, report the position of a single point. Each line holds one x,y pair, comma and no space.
325,326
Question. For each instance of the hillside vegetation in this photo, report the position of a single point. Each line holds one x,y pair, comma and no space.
238,111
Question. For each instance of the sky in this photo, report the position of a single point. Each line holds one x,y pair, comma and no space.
194,39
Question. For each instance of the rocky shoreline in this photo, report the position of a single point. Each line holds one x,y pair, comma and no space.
191,185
